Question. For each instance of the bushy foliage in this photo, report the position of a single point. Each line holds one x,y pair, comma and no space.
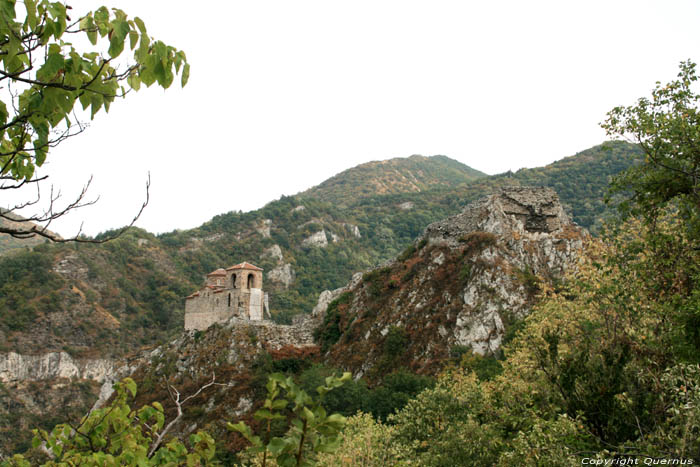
365,442
389,395
25,278
665,126
117,435
311,430
601,368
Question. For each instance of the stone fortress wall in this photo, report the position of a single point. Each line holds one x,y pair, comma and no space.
235,291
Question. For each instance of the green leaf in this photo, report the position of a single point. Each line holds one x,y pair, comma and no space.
308,414
185,74
279,404
92,36
7,9
140,25
30,5
146,76
102,15
131,386
116,46
159,73
133,39
134,81
276,446
262,414
329,445
3,113
14,45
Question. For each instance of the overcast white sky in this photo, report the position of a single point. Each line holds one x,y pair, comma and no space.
285,94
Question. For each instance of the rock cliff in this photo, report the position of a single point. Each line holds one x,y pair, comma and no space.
16,367
461,284
40,390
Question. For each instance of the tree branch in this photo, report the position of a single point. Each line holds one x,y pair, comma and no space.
175,396
49,215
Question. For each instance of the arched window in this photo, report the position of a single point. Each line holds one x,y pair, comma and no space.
233,281
251,281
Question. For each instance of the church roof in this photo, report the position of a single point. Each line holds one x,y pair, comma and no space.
218,272
244,265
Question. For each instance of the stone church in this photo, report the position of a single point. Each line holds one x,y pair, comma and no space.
235,291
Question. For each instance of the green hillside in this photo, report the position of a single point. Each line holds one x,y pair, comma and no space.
393,176
117,298
114,298
9,243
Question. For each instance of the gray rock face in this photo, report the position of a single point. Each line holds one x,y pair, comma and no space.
327,296
532,235
471,275
537,208
283,274
71,267
52,365
517,209
354,230
317,239
264,228
274,252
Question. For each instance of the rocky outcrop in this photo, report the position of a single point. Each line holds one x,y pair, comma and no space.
461,284
264,228
71,267
274,252
327,296
530,222
283,274
353,229
231,352
16,367
317,239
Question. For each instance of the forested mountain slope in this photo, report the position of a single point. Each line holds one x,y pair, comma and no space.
393,176
92,299
111,300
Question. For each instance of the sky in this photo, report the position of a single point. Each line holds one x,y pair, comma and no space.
285,94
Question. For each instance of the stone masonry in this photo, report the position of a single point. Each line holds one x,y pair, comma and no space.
235,291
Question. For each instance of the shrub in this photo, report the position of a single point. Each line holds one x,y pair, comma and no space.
476,242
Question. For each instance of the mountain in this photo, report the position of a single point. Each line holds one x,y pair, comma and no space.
102,302
462,284
9,243
393,176
110,299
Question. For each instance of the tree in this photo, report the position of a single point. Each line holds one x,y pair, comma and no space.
664,190
117,435
47,84
667,128
311,430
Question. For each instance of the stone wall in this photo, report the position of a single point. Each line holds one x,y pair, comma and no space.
202,320
215,306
